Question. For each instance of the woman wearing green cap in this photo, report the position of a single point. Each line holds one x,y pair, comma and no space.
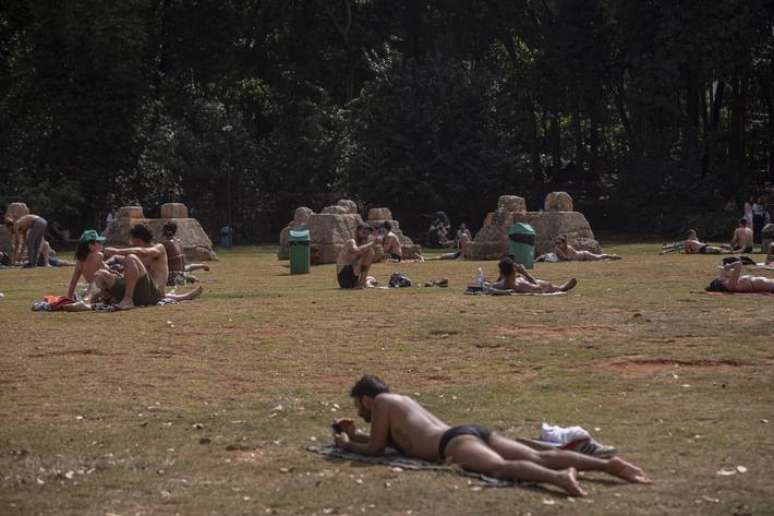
88,259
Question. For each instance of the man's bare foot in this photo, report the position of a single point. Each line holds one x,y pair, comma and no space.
568,285
125,304
567,479
629,472
206,267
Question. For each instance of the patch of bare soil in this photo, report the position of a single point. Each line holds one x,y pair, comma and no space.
647,366
544,330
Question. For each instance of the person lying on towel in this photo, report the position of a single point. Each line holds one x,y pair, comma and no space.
515,278
402,423
731,279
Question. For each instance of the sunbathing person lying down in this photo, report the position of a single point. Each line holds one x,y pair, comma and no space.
515,278
694,246
568,253
402,423
731,279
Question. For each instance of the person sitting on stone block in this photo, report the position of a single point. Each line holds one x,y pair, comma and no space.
355,259
565,252
515,278
731,279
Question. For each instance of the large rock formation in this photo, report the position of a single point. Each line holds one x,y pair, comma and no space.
196,244
330,230
300,220
376,218
491,242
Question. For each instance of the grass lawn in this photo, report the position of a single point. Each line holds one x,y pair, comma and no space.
205,407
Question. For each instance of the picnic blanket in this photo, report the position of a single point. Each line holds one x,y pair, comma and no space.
394,459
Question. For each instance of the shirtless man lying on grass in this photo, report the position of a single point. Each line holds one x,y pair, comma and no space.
402,423
731,279
515,278
694,246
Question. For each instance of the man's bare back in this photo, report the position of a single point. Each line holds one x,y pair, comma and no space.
401,422
391,245
742,239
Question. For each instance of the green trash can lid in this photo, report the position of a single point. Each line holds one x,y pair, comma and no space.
521,228
298,235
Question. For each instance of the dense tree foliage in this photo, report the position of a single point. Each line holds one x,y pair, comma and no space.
647,111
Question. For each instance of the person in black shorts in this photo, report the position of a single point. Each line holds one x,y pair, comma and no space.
400,422
355,259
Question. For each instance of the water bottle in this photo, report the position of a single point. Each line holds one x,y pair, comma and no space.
480,280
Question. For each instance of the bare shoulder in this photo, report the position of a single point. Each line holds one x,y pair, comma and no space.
388,400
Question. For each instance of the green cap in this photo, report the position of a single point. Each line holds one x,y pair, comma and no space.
91,235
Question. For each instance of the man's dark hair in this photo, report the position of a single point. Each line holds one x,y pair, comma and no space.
368,385
387,225
82,250
743,221
716,286
170,228
142,232
506,266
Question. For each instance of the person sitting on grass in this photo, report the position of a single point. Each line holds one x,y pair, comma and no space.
179,271
742,241
731,279
515,278
48,256
391,243
145,273
565,252
402,423
89,261
355,259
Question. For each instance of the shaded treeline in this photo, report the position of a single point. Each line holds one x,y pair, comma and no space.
647,111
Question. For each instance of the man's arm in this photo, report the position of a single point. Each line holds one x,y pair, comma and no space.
18,243
521,270
735,238
735,270
377,441
142,252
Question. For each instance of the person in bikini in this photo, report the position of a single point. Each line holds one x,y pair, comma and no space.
89,262
693,245
391,243
355,259
731,279
566,252
515,278
400,422
179,271
742,241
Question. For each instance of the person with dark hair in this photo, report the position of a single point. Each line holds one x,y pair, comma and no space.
30,230
515,278
402,423
565,252
391,243
89,260
145,271
742,241
355,258
731,279
463,237
694,246
179,271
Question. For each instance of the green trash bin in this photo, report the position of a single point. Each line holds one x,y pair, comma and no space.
300,253
522,239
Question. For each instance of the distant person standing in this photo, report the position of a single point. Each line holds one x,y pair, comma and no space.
759,218
748,211
29,229
109,219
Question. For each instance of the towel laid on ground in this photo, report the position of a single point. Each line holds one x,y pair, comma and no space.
394,459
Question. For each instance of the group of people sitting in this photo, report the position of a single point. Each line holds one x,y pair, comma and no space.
128,277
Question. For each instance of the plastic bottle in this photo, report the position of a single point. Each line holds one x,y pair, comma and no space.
480,280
